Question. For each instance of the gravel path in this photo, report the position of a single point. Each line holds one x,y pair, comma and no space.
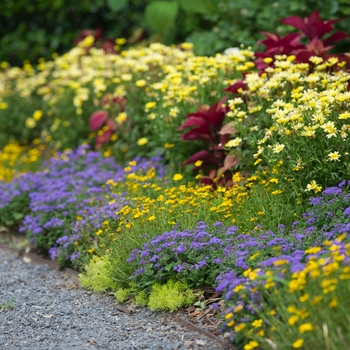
50,311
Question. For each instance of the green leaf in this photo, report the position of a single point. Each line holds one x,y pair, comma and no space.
117,5
205,7
161,15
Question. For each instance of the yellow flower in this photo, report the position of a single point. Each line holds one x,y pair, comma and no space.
151,218
239,327
177,177
140,83
169,145
306,327
276,192
233,143
150,105
312,185
304,298
120,41
278,148
229,315
298,344
292,320
142,141
333,156
37,115
30,123
198,163
251,345
333,303
91,250
121,117
3,105
313,250
257,323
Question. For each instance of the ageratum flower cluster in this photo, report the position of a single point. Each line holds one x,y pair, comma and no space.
68,193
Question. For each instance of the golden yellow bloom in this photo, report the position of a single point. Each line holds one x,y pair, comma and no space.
3,105
151,218
333,303
198,163
298,344
292,320
229,315
142,141
120,41
169,145
257,323
177,177
251,345
305,327
150,105
37,115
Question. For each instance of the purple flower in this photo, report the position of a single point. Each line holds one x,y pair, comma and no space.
347,212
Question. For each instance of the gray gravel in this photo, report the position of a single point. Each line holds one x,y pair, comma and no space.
50,311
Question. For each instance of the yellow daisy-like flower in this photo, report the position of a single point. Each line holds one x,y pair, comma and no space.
333,156
30,123
140,83
169,145
37,115
278,148
150,105
306,327
142,141
3,105
233,143
311,186
177,177
198,163
298,344
251,345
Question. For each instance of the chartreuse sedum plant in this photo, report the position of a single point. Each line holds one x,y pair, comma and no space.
97,275
294,117
304,309
162,297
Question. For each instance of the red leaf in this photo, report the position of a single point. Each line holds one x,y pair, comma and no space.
236,86
230,161
97,120
203,155
227,129
335,37
104,138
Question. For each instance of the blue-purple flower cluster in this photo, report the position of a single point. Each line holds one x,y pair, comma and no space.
68,194
219,255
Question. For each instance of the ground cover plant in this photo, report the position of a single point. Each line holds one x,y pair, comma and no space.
229,172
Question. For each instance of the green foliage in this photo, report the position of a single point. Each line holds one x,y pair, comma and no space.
170,296
11,216
161,15
9,305
141,298
30,30
122,294
97,275
237,22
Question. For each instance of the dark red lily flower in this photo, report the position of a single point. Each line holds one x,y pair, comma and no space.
239,85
